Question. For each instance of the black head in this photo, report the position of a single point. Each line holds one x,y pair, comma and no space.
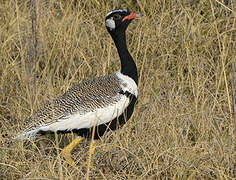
118,20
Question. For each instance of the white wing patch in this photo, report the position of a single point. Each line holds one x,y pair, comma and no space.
128,84
78,121
90,119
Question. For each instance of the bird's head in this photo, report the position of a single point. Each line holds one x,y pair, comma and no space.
118,20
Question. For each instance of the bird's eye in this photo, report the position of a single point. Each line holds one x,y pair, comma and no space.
116,16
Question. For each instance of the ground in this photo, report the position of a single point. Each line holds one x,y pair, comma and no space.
183,126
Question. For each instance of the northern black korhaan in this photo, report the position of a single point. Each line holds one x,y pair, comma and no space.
104,102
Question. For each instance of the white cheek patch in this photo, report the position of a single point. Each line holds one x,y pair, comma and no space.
110,23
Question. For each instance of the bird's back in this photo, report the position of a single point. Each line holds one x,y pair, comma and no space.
80,99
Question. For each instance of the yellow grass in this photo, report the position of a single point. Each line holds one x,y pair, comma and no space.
182,127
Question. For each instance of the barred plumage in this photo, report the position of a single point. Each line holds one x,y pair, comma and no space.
83,98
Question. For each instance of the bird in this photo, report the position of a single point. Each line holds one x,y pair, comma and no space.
94,106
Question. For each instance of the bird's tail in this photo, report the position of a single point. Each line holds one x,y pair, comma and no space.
26,135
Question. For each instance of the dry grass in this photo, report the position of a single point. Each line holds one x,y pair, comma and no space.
183,126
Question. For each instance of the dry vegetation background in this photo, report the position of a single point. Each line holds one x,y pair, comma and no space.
184,123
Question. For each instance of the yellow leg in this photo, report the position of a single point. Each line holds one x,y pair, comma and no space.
66,152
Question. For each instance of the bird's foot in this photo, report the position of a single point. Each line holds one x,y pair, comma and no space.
66,152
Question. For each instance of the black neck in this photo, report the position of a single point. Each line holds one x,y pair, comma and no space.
128,66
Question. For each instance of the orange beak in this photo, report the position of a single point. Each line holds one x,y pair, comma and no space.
131,16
